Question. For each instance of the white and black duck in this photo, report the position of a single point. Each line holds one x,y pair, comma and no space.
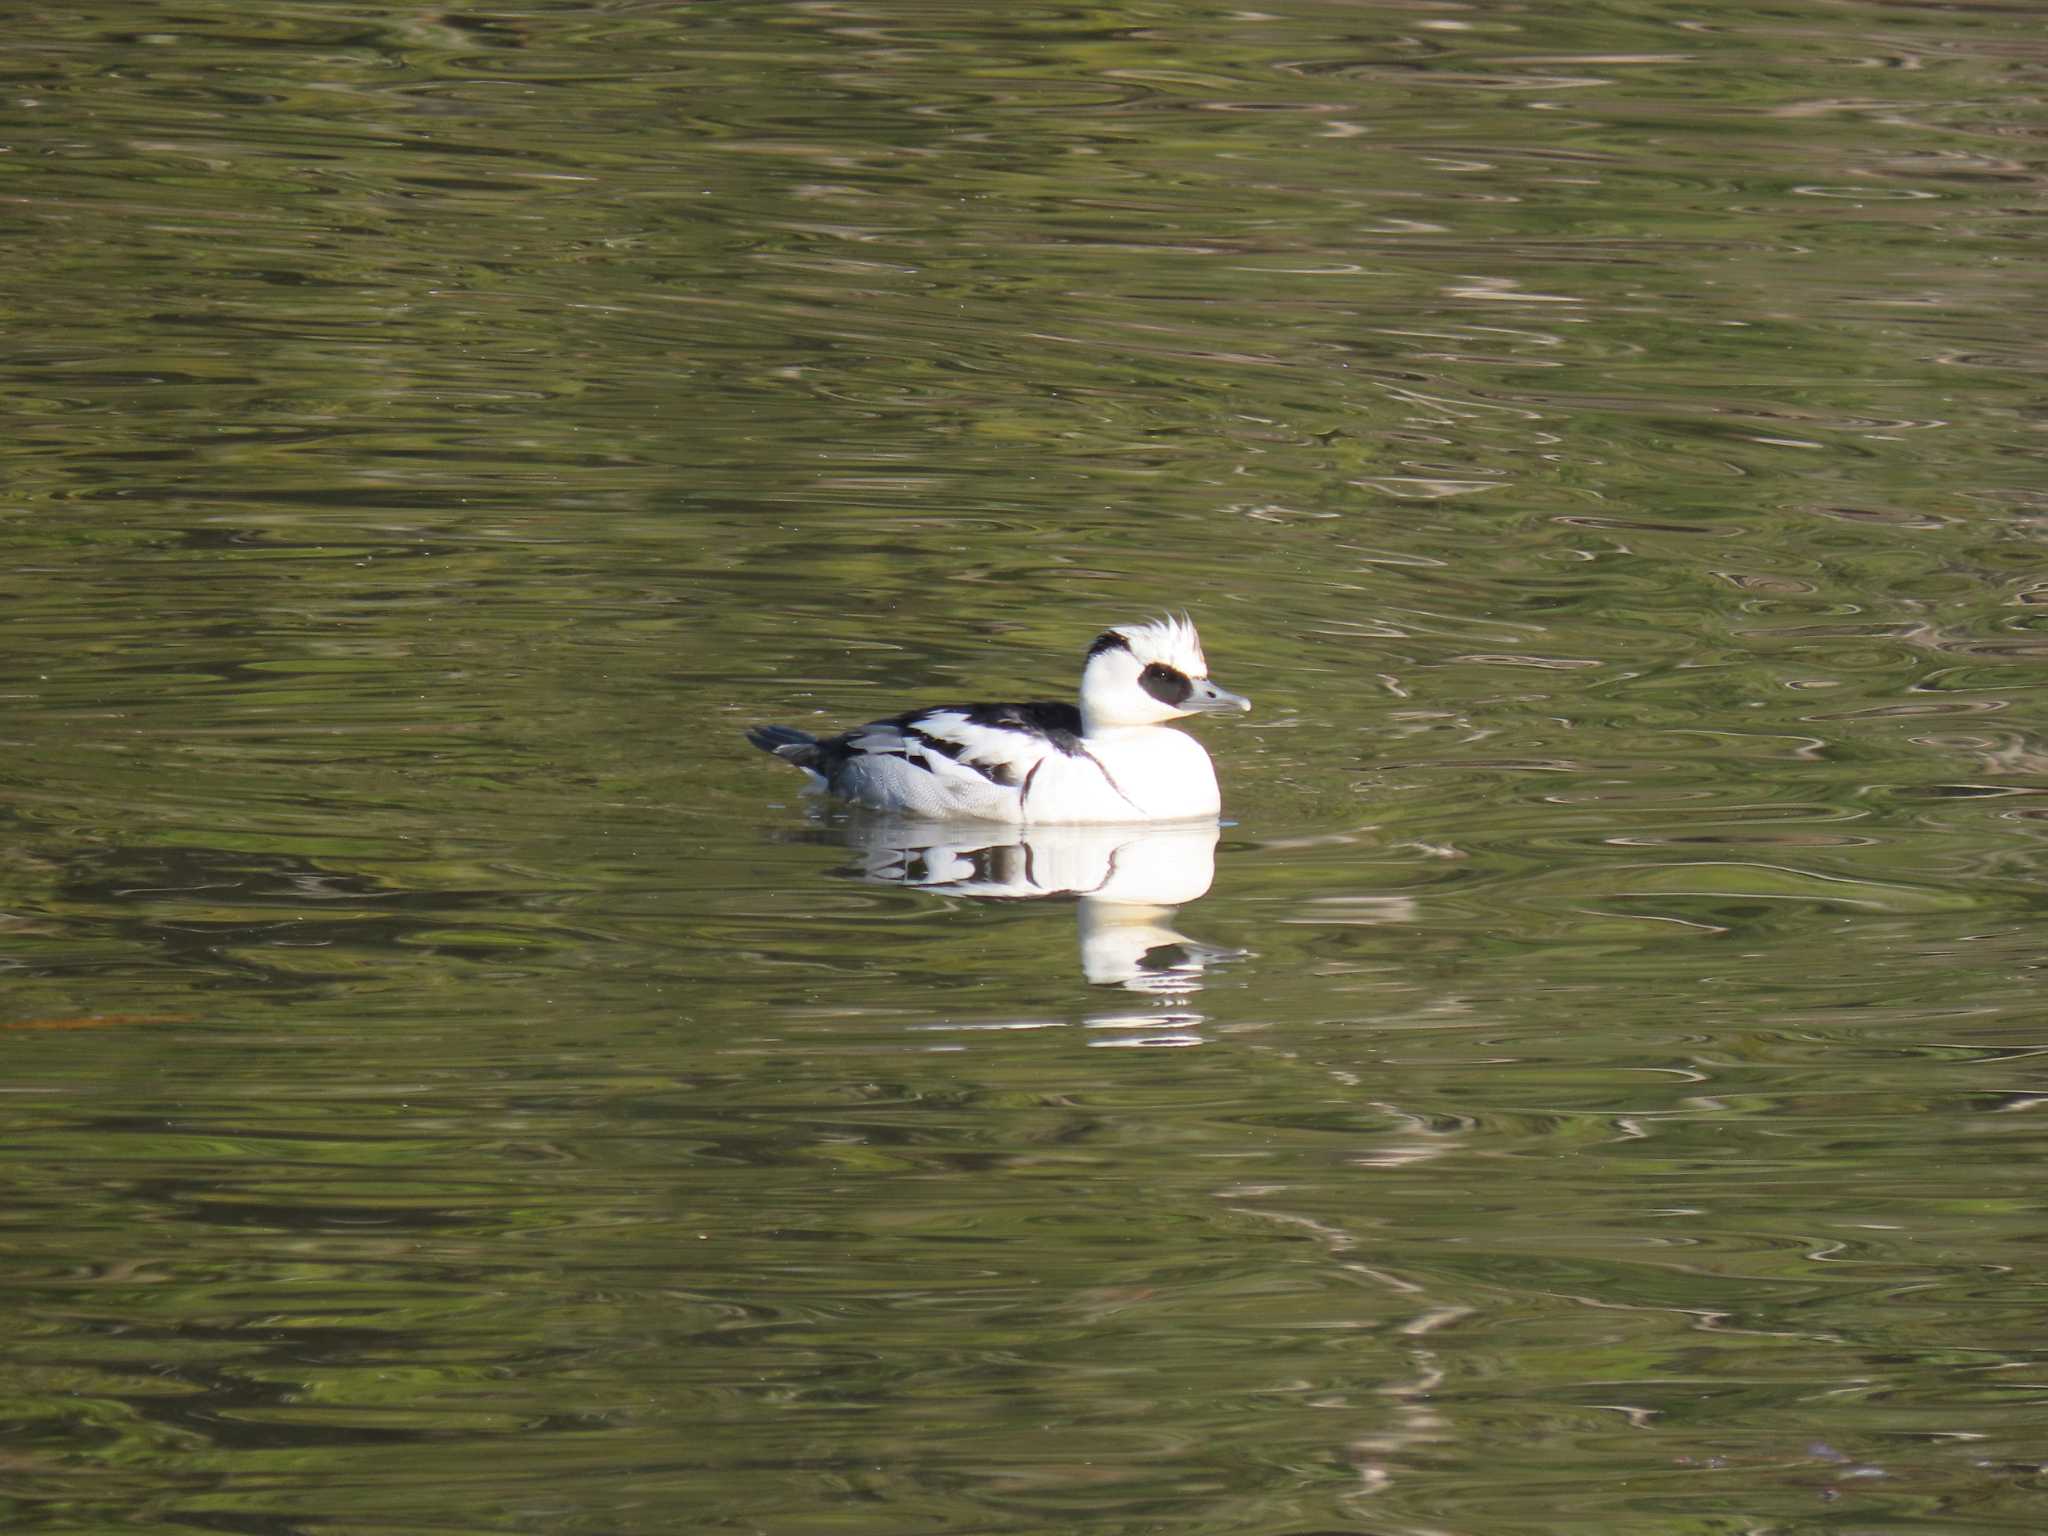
1112,758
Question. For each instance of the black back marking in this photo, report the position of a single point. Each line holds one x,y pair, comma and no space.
928,745
1056,724
910,728
1059,724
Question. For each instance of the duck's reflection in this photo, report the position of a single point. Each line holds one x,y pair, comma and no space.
1129,881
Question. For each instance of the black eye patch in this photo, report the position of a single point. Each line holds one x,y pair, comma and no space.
1169,685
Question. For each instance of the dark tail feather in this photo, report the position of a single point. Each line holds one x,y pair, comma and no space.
787,743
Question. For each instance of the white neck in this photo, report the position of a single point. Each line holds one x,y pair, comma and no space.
1095,728
1111,699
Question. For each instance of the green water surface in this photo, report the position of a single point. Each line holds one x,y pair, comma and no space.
450,1083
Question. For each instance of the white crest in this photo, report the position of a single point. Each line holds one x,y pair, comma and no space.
1171,640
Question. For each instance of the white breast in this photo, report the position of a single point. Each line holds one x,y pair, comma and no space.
1147,773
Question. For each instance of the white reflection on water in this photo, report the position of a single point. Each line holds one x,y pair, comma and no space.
1129,881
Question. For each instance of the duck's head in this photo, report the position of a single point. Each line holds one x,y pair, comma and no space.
1147,674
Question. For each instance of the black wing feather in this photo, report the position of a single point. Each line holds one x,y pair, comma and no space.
917,735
